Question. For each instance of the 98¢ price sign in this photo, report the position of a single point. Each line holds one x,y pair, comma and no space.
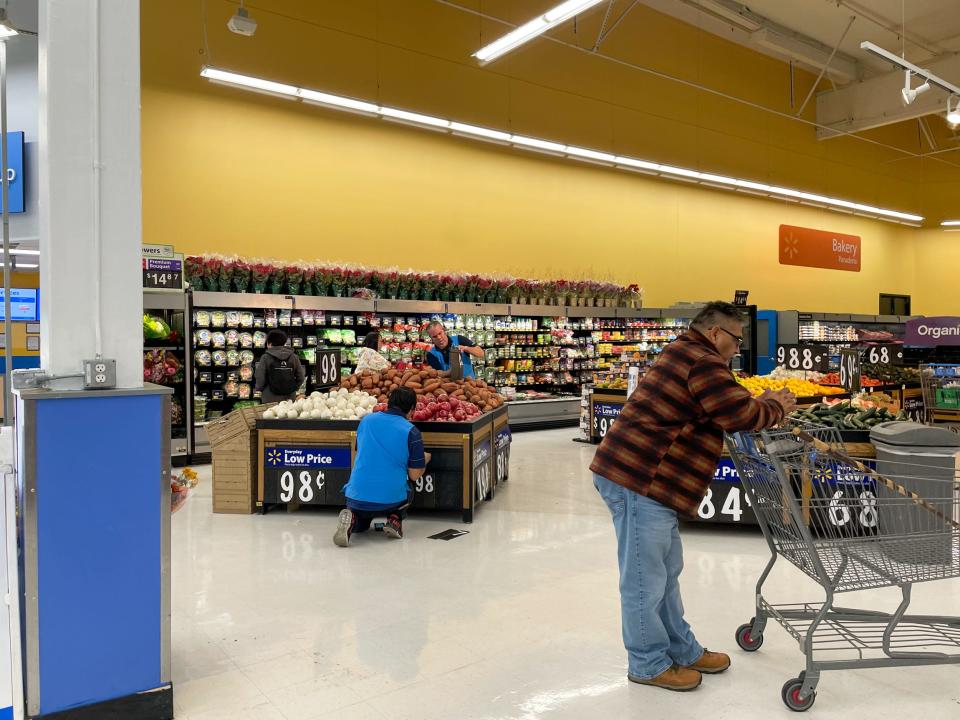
306,475
813,358
328,368
604,415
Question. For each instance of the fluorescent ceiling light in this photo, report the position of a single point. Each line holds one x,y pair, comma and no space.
337,101
950,223
414,117
538,144
247,81
632,162
18,251
19,265
539,25
590,154
483,132
7,30
548,146
683,172
722,179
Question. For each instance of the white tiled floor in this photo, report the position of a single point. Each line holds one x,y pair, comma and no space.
518,620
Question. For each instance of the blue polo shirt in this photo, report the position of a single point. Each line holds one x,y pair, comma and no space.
387,446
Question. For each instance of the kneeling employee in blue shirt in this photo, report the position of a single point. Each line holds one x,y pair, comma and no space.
389,455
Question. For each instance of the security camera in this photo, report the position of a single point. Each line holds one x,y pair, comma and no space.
241,23
910,94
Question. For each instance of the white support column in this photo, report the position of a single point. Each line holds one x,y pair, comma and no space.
90,106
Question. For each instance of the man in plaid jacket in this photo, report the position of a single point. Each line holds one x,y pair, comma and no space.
656,463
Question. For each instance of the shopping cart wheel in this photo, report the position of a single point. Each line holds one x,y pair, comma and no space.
747,639
791,696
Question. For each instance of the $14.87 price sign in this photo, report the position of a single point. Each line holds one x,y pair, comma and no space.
812,358
328,368
886,354
162,274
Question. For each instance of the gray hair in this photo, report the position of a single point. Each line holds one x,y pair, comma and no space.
434,324
715,312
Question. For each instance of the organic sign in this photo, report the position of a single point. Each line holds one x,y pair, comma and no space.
819,249
933,331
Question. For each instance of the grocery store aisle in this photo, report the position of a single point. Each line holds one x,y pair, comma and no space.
518,620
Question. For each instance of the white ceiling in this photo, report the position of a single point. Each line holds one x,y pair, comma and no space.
932,26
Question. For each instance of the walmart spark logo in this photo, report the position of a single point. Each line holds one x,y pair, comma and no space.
274,458
789,248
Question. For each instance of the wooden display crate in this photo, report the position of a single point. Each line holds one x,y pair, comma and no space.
233,442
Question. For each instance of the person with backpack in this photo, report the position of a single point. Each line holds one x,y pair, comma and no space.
279,374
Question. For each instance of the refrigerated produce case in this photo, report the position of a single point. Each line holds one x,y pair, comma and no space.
167,363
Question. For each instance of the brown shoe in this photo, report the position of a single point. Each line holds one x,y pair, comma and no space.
674,678
711,663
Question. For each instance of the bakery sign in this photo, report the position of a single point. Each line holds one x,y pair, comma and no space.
819,249
933,331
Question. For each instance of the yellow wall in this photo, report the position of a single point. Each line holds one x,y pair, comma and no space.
22,280
234,172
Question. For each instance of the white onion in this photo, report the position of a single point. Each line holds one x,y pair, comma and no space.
269,415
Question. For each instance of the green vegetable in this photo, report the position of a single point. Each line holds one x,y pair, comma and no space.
154,328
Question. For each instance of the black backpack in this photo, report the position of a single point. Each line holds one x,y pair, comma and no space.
282,376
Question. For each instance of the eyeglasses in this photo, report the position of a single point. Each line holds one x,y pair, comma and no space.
738,338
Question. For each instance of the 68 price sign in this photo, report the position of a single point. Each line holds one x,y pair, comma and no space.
812,358
328,368
886,354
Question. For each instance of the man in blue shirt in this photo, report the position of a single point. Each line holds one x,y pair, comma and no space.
439,357
389,455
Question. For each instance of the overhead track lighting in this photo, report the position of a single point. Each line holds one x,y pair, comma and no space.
528,31
953,113
910,93
241,23
549,147
7,30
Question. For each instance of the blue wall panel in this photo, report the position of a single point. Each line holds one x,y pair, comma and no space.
98,506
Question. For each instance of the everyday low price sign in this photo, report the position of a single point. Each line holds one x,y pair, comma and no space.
933,331
819,249
305,474
603,416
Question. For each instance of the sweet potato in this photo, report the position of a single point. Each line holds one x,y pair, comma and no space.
414,385
449,386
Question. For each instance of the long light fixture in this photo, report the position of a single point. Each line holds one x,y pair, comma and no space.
528,31
24,251
950,223
572,152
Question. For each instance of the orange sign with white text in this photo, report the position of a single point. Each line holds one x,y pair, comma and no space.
819,249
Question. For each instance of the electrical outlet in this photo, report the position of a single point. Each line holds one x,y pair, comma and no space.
99,374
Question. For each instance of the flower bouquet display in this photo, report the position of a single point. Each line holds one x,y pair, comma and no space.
241,276
211,273
260,276
180,487
193,271
278,278
294,279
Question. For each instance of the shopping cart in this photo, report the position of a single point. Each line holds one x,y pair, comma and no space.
848,528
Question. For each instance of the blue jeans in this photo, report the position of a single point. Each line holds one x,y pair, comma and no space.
651,558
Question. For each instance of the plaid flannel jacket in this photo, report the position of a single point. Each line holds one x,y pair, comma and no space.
668,439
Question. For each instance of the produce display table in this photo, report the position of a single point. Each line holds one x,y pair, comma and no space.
725,501
308,462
